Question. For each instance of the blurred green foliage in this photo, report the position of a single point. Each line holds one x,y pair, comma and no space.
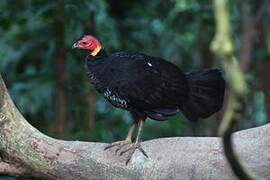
178,30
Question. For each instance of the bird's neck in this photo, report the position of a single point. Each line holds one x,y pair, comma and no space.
100,56
95,64
95,67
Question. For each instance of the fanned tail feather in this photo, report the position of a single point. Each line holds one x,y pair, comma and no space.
206,93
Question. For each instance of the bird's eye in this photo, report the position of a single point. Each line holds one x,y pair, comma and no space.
84,43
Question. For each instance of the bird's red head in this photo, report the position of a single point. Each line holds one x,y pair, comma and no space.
89,43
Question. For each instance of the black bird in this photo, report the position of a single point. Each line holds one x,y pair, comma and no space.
150,87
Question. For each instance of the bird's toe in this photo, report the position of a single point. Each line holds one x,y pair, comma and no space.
131,149
119,144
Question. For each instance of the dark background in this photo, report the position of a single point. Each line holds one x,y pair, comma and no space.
48,83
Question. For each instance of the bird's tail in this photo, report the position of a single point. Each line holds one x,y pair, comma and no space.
206,93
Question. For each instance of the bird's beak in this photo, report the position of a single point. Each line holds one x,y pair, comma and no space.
75,45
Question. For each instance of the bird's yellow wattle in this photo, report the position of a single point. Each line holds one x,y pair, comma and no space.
96,51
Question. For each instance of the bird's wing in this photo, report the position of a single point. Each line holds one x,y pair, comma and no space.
144,83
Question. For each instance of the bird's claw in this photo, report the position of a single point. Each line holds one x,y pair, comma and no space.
132,150
118,143
121,146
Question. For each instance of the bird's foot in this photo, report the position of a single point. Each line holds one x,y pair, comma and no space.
118,144
132,148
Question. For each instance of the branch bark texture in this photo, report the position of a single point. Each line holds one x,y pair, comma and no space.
27,152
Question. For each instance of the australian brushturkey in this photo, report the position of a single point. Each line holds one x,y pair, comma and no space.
150,87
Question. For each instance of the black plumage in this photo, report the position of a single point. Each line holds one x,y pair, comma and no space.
155,87
150,87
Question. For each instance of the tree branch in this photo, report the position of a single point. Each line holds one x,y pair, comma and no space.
27,152
11,170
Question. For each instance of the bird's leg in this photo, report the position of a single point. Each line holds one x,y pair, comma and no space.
124,142
128,139
137,144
